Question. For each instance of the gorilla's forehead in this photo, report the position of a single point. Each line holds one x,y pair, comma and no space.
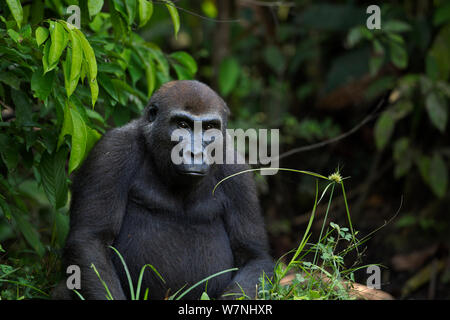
191,96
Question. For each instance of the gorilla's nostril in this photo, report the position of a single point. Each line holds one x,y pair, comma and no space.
192,157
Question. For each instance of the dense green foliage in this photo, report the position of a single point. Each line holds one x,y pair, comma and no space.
310,68
60,89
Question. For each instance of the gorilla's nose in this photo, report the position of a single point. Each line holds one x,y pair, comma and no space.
193,157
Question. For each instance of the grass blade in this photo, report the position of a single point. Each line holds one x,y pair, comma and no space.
127,272
108,293
204,280
141,275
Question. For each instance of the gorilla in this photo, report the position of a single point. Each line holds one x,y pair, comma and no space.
130,195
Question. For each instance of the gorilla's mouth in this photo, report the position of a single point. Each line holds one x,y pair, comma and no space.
194,173
193,170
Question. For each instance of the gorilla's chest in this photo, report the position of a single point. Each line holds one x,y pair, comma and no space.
184,242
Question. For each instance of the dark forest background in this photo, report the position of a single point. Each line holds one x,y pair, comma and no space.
309,68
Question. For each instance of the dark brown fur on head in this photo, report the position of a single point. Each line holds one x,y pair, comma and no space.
189,95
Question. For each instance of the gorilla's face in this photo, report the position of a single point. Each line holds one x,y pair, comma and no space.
174,126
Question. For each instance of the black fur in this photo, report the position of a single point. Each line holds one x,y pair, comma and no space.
127,195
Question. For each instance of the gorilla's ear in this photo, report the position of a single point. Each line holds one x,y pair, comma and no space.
152,112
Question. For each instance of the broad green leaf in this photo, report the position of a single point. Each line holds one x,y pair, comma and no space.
228,75
378,47
384,127
174,15
401,146
150,77
45,56
94,7
182,72
79,140
186,60
145,12
274,58
162,64
92,137
10,79
135,68
84,70
22,106
41,35
119,5
53,174
88,54
441,14
402,108
396,38
97,23
375,63
431,67
66,71
354,36
106,84
9,151
41,83
94,91
209,8
59,39
77,56
70,85
125,57
15,35
444,88
80,106
131,6
402,156
16,10
117,21
439,51
437,110
94,115
150,72
29,232
26,31
399,56
67,127
423,163
438,173
396,26
122,86
110,68
61,228
5,208
72,65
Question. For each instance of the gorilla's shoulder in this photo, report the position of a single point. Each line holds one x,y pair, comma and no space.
115,146
118,148
124,137
127,131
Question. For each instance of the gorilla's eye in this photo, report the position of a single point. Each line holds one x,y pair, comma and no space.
152,113
182,124
209,126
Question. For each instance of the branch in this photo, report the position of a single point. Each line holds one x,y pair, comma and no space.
368,118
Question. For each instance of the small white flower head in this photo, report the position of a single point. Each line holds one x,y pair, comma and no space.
336,177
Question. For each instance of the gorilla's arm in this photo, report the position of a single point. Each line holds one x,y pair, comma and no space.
247,234
99,198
